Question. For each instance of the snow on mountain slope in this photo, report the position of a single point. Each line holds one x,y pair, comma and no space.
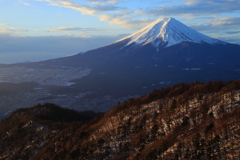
168,31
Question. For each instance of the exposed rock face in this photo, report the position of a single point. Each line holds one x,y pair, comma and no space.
186,121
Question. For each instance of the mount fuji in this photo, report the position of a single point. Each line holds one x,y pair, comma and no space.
168,32
163,53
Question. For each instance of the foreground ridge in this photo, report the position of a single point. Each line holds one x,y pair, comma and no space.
185,121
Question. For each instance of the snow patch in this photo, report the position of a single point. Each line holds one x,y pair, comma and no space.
192,69
37,88
69,83
74,54
62,95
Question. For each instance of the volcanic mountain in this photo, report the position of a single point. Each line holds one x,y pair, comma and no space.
168,32
163,53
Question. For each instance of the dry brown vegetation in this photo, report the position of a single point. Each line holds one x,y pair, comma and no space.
185,121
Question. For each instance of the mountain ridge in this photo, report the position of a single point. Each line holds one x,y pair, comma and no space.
185,121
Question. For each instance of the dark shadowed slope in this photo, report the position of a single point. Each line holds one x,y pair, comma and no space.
185,121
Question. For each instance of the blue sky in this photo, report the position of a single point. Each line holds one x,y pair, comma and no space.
44,29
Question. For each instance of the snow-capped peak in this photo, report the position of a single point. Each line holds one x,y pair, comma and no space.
168,31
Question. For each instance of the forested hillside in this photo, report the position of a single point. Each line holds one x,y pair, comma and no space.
185,121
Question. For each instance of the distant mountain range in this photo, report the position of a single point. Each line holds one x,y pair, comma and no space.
163,53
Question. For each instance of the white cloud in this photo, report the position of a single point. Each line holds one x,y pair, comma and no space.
233,32
191,16
191,2
103,2
1,24
196,8
125,20
5,31
18,29
225,29
226,21
84,9
26,4
232,39
215,25
96,3
112,1
62,29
